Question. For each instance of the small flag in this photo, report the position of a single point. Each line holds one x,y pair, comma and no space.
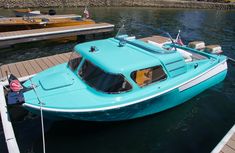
179,41
86,13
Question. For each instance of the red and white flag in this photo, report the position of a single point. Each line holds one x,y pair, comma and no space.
86,13
178,40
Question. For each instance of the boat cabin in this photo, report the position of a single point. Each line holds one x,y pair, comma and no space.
122,66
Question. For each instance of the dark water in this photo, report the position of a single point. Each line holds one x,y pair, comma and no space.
194,127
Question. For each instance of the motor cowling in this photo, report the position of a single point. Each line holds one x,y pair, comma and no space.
214,49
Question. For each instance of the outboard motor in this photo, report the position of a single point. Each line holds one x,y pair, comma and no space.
52,12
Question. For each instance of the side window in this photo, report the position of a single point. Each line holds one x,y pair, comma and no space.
149,75
74,60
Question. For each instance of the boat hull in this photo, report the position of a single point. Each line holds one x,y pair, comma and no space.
154,105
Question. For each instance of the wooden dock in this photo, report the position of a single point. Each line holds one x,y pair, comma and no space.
227,144
14,37
31,67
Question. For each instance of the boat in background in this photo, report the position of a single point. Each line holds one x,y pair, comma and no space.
29,12
35,20
26,12
43,21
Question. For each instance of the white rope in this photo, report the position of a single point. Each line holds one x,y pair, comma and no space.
41,113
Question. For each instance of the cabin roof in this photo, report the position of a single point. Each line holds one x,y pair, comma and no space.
113,58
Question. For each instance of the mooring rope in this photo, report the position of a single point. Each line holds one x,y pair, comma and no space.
41,113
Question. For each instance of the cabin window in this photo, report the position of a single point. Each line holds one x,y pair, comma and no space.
103,81
147,76
74,61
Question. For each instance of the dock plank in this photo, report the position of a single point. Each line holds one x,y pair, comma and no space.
231,144
227,149
4,69
53,60
28,67
21,69
41,63
58,59
47,62
35,66
67,55
13,70
233,137
63,57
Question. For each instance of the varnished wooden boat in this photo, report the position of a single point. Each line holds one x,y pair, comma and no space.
27,23
26,12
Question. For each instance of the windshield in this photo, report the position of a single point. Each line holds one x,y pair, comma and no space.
153,44
74,61
102,81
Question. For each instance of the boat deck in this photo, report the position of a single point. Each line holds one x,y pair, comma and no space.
31,67
161,39
20,36
227,144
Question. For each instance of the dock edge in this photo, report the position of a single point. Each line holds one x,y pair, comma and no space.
7,126
224,141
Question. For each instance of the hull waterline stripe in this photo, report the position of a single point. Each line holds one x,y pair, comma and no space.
127,104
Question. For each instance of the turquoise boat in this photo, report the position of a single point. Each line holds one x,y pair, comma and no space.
123,78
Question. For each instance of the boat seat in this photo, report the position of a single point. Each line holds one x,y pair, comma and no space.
186,55
143,77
